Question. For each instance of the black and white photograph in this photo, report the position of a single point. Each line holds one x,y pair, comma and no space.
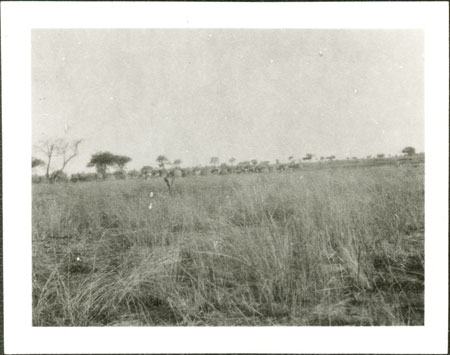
228,177
204,177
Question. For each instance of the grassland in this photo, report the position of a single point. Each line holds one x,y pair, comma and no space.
322,247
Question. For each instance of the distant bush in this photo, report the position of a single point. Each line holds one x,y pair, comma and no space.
205,172
82,177
177,172
133,174
187,172
59,176
120,175
409,151
37,179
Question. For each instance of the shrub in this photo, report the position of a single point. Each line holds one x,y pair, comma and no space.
59,176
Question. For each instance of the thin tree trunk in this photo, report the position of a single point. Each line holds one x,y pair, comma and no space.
47,173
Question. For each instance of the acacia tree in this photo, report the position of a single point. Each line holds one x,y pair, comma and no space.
101,161
121,161
308,156
36,162
168,176
232,160
177,162
162,161
409,151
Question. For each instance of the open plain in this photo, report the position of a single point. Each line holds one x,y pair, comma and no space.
337,246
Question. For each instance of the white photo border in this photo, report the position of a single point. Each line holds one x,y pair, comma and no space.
19,18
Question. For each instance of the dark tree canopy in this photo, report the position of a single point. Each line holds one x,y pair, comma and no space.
308,156
162,161
36,162
121,161
103,160
409,151
58,176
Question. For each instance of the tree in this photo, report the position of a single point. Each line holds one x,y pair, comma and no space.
214,161
409,151
121,161
50,149
133,173
232,160
68,151
36,162
331,157
59,147
119,174
58,176
177,162
243,166
380,156
101,161
162,161
308,156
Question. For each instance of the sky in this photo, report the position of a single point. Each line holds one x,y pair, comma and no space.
193,94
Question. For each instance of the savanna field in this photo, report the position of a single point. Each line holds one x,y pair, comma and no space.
340,246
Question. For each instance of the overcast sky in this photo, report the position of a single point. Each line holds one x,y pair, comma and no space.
248,94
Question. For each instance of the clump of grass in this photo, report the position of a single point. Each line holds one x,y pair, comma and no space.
324,247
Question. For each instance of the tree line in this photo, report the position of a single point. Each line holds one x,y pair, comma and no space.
113,166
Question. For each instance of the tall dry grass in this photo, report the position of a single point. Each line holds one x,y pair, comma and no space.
325,247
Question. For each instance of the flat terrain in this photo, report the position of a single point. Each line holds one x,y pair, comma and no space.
321,247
